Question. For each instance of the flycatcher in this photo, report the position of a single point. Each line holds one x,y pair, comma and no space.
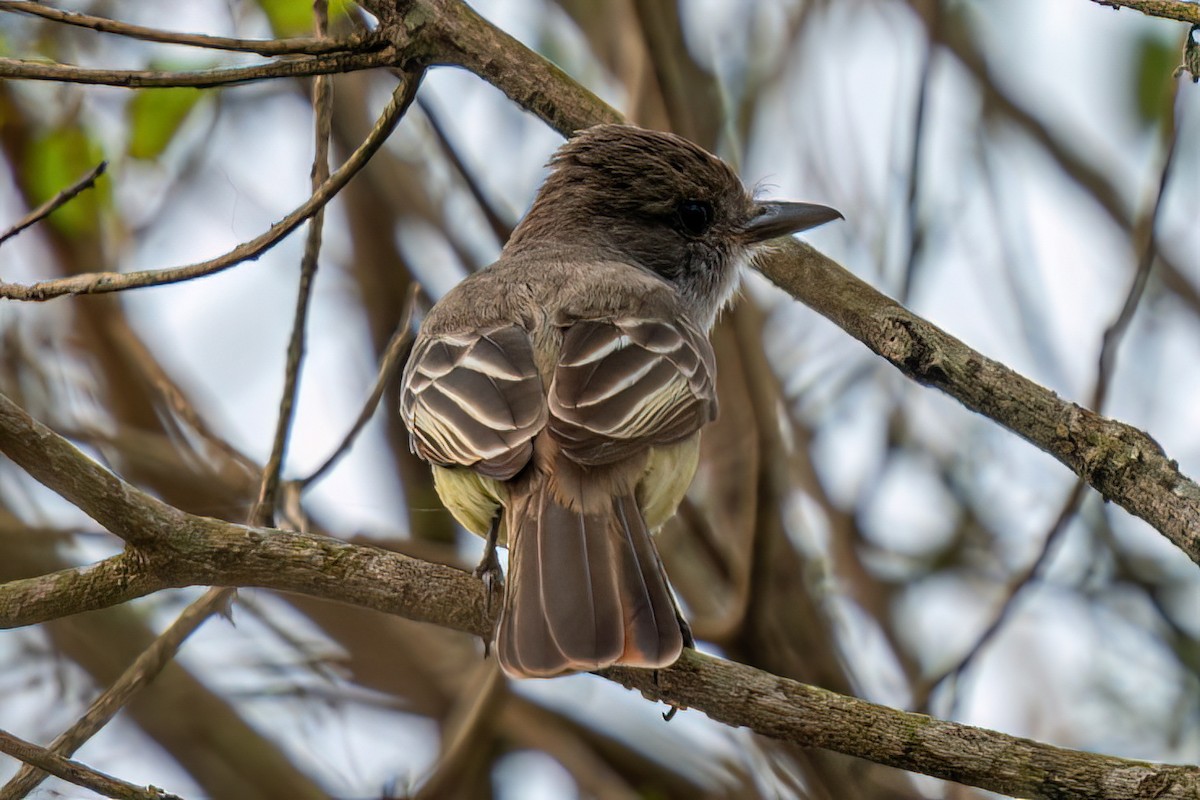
559,394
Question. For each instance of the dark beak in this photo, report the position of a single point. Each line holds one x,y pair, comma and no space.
773,220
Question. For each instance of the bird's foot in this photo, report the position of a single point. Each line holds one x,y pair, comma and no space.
488,570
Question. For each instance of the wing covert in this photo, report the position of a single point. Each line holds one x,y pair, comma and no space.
625,384
475,400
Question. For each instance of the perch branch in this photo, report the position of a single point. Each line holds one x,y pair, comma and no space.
182,550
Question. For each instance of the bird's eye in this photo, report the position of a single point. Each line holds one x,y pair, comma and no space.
695,216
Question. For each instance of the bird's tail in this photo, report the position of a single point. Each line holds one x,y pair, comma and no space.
585,590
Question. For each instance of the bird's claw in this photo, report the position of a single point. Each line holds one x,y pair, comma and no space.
488,570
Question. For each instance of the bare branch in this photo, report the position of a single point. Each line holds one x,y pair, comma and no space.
1167,9
141,672
54,203
104,282
262,47
459,36
124,510
106,583
389,365
1121,462
76,773
187,550
1148,252
322,100
813,717
298,67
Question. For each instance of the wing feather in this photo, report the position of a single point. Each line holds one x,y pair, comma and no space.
474,400
625,384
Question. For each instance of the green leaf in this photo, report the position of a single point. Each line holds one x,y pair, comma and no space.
295,17
57,160
1154,59
155,116
288,17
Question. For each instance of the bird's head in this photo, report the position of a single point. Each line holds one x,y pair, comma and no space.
660,202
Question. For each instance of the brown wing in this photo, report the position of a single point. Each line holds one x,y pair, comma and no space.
625,384
474,400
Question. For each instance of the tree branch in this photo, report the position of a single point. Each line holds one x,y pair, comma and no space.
104,282
76,773
263,47
141,672
298,67
322,101
1121,462
173,549
810,716
457,36
1167,9
54,203
183,550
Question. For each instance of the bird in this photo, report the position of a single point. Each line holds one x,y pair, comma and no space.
559,393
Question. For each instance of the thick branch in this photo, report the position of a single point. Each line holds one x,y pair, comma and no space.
51,460
455,35
183,550
1121,462
1167,9
60,594
810,716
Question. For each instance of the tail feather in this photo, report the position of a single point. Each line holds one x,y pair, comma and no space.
585,591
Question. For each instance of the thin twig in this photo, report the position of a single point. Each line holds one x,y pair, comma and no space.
500,228
264,508
468,727
262,47
1008,604
1146,226
76,773
1096,179
104,282
291,67
141,672
170,393
1108,353
389,365
916,230
54,203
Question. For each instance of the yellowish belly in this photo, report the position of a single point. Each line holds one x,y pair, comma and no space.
474,499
